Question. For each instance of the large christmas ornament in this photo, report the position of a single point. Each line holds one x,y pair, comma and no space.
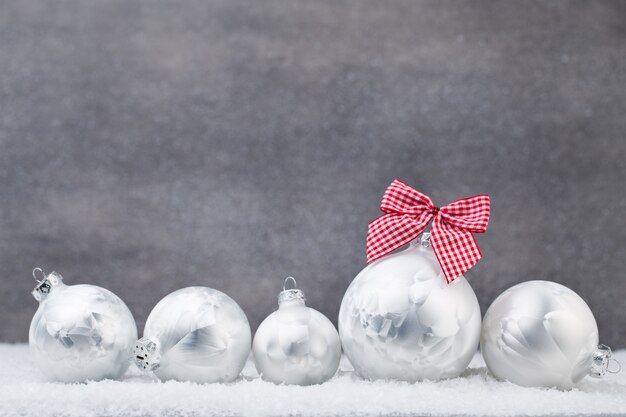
412,315
195,334
296,344
79,332
399,319
542,334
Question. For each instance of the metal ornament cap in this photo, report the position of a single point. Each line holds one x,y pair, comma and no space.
45,284
147,356
293,294
600,362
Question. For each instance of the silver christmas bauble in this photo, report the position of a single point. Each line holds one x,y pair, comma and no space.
542,334
195,334
400,320
80,332
296,344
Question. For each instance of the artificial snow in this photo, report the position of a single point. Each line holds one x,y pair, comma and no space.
24,392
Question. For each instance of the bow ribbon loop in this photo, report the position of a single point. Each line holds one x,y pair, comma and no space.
407,212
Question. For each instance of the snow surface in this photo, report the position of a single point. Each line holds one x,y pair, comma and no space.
23,392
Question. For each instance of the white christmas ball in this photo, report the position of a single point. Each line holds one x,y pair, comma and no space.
399,319
195,334
296,344
80,332
539,334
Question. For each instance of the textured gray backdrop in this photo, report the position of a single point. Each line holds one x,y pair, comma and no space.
147,145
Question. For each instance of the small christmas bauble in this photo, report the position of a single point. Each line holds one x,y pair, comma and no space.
542,334
399,319
195,334
296,344
80,332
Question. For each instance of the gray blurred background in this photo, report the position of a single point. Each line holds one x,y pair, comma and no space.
148,145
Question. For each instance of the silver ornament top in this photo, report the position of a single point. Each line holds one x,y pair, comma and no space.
600,361
45,284
147,356
291,295
422,240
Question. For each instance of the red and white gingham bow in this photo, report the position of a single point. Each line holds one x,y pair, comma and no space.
408,212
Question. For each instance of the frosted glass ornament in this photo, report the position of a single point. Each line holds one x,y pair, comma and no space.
542,334
399,319
79,332
296,344
195,334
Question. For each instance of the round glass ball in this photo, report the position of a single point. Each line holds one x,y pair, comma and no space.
539,334
399,319
198,334
296,344
81,332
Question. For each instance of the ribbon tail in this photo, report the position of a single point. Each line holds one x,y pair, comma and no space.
456,249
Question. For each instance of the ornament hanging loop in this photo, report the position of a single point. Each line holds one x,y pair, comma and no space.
43,274
295,284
